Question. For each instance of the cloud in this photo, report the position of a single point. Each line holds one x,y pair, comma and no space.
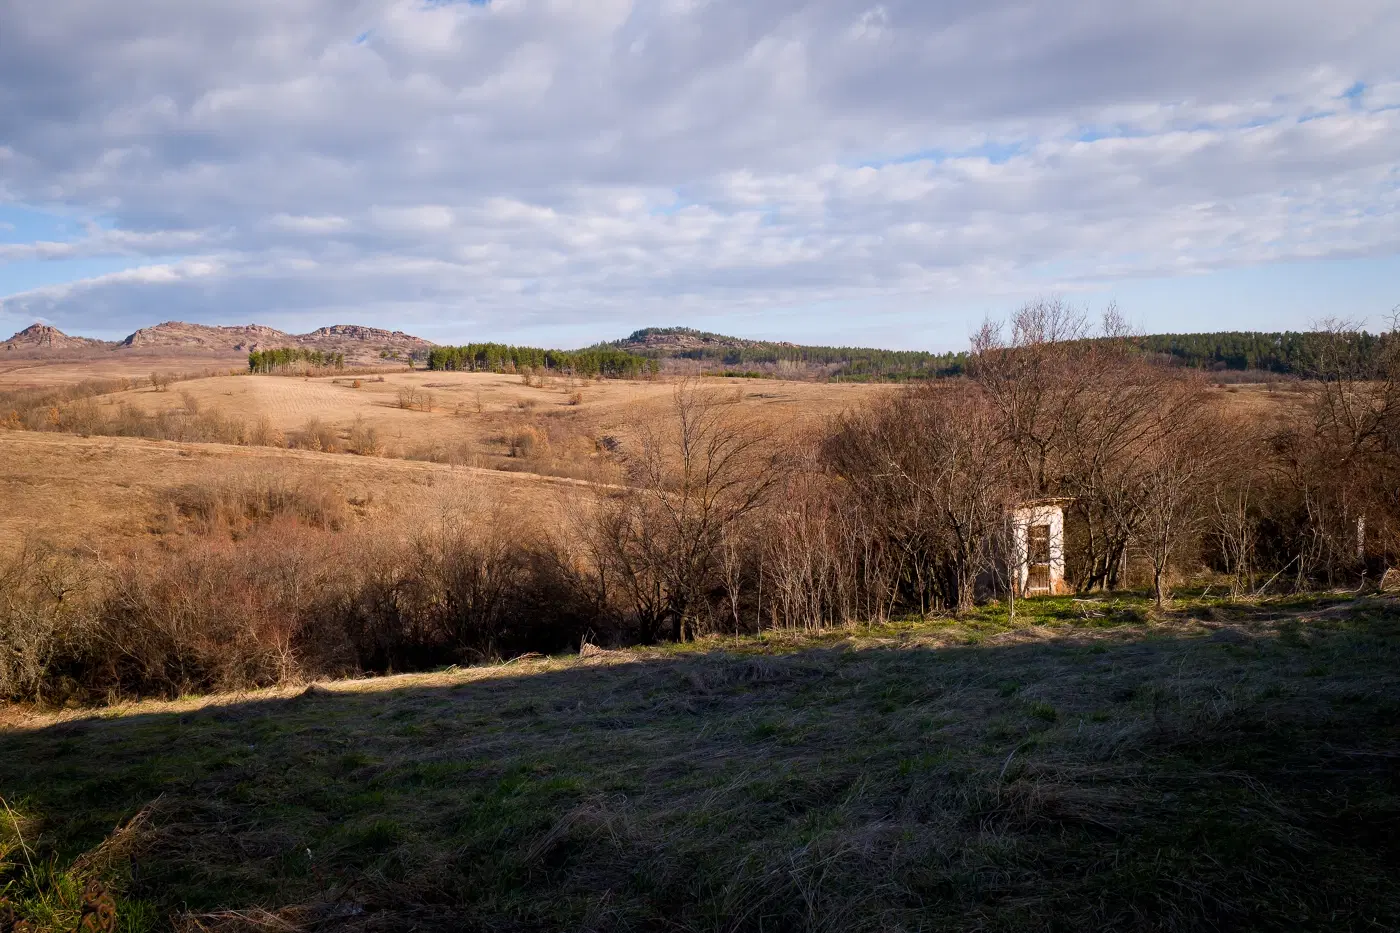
468,166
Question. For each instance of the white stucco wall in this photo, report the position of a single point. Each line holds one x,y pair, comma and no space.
1022,520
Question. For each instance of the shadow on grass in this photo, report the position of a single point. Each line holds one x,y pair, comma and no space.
1244,777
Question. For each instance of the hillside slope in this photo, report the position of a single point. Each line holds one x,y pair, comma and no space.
39,337
780,357
354,340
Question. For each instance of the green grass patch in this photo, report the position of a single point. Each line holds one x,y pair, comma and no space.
1092,764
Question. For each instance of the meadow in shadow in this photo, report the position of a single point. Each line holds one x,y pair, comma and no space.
1238,771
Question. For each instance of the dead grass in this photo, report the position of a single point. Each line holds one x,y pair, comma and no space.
109,492
1225,766
237,500
416,410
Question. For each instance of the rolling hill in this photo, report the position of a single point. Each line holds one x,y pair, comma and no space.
356,342
41,337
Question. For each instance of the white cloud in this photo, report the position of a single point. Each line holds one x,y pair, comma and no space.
323,223
486,163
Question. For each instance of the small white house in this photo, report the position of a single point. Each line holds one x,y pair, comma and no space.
1038,547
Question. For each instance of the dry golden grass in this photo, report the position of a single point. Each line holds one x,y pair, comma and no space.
489,430
477,407
45,372
103,491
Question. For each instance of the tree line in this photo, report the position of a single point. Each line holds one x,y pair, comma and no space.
1286,353
841,363
1295,353
498,358
287,359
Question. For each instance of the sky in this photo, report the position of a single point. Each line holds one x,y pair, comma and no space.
557,172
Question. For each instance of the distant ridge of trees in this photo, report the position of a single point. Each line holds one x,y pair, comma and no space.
282,359
1297,354
602,361
1290,353
853,364
1294,353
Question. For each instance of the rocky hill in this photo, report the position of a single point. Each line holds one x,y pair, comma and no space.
179,335
350,336
355,341
683,341
40,337
718,352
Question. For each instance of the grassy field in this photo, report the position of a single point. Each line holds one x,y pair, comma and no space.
106,492
98,491
473,415
41,371
1096,765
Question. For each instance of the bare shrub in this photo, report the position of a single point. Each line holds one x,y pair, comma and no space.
691,481
821,560
233,504
264,434
44,618
415,399
281,599
1180,484
528,442
218,615
82,417
460,453
934,471
1238,490
188,423
316,434
1339,465
364,439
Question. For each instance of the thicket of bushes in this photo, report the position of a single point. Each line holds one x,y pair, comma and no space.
900,506
269,590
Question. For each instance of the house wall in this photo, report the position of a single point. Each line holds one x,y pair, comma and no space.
1021,522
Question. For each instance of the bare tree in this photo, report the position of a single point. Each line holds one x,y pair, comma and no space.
1236,493
1034,381
934,469
1339,461
693,478
1182,468
1078,409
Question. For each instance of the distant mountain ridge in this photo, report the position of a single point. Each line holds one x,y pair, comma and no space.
44,337
354,340
1287,353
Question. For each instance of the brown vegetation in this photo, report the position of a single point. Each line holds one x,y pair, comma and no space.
701,518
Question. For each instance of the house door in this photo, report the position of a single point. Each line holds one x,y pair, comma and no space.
1038,559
